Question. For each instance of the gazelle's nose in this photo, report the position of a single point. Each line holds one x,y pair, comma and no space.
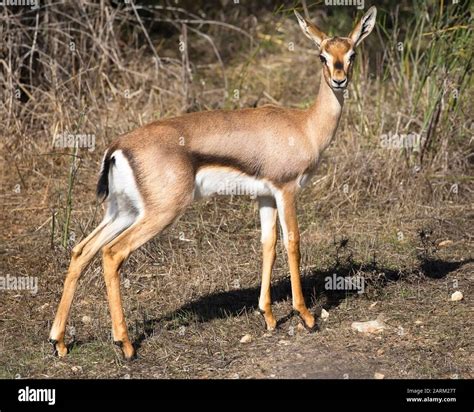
339,83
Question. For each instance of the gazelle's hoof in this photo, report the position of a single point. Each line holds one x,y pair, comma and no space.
309,321
270,321
128,350
60,349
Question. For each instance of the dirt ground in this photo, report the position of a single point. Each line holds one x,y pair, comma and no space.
190,296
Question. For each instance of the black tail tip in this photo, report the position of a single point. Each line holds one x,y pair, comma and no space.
103,182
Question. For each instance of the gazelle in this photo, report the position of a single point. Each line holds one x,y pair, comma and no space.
151,175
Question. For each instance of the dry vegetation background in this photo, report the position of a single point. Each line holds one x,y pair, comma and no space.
399,217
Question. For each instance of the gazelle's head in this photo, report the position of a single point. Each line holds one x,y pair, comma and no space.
337,54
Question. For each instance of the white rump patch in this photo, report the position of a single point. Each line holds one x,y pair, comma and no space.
124,199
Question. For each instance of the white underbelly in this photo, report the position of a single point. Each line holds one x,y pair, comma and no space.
221,181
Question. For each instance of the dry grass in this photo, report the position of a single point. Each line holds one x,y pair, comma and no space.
190,294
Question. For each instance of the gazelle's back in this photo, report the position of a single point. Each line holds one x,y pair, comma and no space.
256,141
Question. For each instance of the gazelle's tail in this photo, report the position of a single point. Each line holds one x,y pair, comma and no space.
103,182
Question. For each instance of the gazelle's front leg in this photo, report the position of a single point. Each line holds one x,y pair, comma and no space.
286,204
268,218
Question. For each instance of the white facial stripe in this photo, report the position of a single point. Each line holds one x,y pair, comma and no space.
348,55
328,57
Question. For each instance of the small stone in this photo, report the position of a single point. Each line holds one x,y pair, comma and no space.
324,314
246,339
445,243
378,375
380,352
371,326
43,307
86,319
418,322
457,296
372,305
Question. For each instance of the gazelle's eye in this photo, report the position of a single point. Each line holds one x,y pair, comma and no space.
323,59
352,58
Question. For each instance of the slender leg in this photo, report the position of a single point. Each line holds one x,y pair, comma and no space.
286,205
82,254
268,217
114,254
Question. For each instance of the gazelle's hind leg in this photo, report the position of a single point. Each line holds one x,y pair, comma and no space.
82,254
132,218
114,254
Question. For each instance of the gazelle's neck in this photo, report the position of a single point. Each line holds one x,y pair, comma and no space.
324,115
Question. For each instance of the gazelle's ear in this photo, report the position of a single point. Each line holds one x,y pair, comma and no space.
364,27
310,30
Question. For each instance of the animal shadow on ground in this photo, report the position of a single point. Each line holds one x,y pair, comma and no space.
235,302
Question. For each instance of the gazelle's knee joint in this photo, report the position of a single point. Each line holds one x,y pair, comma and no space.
268,245
293,246
112,256
76,252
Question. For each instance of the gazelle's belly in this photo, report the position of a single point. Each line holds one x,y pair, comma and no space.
223,181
